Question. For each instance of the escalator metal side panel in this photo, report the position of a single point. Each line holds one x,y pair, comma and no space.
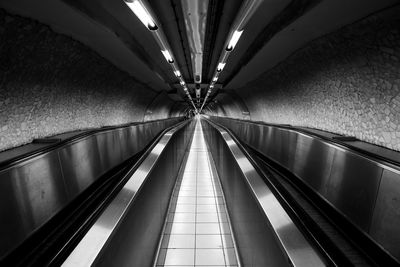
385,226
128,231
29,195
34,190
265,234
363,190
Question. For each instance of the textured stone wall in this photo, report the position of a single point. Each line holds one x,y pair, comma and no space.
347,82
230,105
51,84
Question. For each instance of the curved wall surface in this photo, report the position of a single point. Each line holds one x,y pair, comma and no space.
346,82
231,105
50,84
159,108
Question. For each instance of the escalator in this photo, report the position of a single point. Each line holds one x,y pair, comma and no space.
197,195
189,216
53,191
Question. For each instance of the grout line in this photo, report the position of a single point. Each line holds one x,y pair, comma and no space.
195,217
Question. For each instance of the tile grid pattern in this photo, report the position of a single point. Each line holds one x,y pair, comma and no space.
197,231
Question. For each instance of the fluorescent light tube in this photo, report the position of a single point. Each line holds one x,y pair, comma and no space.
177,73
167,56
142,14
220,67
235,38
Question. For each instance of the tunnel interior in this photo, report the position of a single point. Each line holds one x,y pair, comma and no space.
91,83
326,65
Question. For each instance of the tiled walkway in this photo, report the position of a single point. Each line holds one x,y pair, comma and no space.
197,231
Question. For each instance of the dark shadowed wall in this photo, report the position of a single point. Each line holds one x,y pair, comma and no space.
51,84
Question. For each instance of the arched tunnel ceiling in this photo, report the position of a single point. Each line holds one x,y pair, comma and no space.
277,29
81,26
301,22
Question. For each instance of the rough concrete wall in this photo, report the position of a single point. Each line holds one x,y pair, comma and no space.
232,105
51,84
159,108
347,82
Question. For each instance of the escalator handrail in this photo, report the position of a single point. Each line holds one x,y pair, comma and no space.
286,231
378,159
89,247
53,146
32,257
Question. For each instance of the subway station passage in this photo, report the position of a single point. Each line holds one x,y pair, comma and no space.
254,133
197,231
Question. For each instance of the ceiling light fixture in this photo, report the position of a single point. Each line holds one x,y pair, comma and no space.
167,56
143,12
246,11
234,39
177,73
220,66
143,15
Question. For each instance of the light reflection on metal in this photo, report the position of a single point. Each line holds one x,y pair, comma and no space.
246,11
298,249
195,16
86,252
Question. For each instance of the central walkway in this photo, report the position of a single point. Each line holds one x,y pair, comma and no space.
197,231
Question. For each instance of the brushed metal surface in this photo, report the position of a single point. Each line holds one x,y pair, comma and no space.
353,187
265,234
128,230
30,195
81,166
109,149
307,157
385,226
34,190
134,241
365,190
122,136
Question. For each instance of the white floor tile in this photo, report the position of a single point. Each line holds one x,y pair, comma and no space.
185,208
179,257
182,217
178,241
207,217
180,228
208,241
207,228
197,232
210,257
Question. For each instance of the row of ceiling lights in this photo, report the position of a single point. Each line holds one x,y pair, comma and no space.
140,9
246,11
